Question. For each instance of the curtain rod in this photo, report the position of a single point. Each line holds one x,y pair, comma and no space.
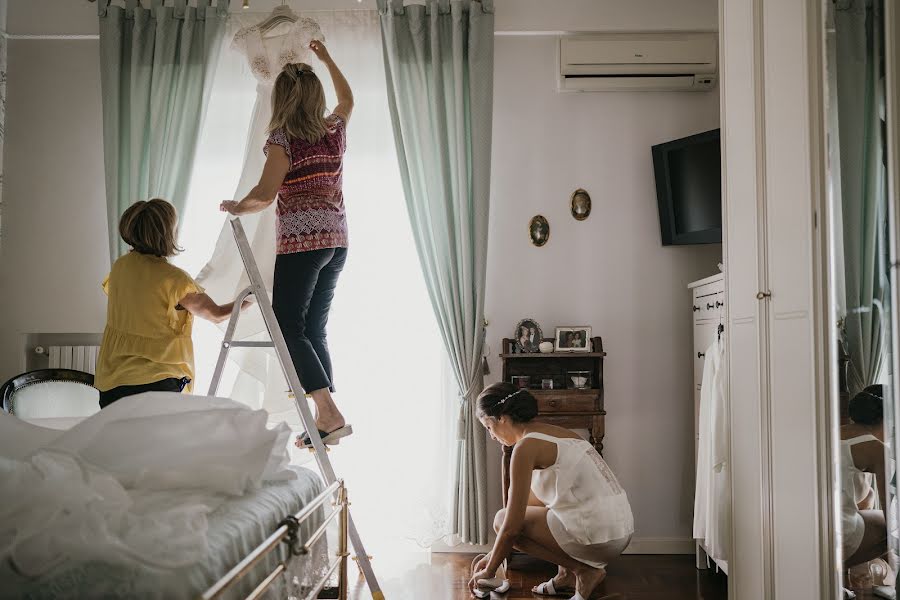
47,36
63,36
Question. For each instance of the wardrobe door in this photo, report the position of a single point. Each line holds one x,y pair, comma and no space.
790,199
740,171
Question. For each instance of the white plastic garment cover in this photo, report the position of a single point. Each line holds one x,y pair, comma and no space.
132,483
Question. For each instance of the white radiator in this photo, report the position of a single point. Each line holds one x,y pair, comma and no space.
79,358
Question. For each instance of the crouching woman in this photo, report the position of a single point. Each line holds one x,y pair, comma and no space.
565,505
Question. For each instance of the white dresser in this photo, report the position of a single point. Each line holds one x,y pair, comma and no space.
708,308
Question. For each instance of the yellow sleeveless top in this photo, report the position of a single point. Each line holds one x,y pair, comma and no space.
147,339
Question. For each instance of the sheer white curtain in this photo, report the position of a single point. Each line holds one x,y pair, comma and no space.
388,356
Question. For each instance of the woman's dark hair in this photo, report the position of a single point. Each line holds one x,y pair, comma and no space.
867,407
506,399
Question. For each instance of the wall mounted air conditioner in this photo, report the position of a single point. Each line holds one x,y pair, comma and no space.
638,62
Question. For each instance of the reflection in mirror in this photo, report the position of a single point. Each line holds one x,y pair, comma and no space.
860,295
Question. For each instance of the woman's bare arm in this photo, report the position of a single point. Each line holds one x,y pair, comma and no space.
521,467
341,87
263,193
201,305
869,457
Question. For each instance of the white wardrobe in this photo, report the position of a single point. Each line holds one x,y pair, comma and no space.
773,196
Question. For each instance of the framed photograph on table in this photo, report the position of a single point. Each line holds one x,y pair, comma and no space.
573,339
528,336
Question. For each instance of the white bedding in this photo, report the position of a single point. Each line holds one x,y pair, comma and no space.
235,528
133,484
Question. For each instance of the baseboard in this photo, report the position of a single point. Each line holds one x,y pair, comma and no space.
637,546
439,547
661,546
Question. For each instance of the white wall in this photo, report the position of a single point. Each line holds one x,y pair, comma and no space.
599,15
610,271
54,252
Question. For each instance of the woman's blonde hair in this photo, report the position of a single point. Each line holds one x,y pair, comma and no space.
298,104
149,227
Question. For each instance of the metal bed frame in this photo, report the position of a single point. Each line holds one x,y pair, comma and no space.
287,532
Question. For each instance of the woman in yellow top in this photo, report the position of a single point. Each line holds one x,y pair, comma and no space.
147,342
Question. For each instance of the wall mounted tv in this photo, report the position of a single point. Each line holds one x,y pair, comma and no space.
689,189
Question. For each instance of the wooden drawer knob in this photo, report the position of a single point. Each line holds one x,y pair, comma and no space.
552,403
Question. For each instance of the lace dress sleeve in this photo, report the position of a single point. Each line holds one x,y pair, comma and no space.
239,41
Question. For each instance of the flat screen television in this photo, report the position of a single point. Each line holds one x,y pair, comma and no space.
689,189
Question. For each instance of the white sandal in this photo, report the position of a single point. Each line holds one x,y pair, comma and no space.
548,588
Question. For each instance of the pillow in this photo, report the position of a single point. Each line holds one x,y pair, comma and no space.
55,399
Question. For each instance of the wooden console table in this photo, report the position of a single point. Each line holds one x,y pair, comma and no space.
569,408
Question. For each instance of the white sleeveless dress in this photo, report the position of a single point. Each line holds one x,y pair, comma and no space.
852,525
589,514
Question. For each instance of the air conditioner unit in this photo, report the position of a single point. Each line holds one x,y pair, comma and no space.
638,62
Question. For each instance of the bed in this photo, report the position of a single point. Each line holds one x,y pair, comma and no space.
180,515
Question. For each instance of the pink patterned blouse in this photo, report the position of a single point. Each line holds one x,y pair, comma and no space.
310,210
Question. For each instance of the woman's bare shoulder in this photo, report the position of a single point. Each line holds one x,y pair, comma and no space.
555,431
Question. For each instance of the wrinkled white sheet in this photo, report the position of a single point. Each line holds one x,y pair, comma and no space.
132,483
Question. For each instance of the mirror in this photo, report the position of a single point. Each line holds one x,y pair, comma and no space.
862,315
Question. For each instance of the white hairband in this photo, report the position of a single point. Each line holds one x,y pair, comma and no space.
510,396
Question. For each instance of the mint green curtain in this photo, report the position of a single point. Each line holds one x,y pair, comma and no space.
859,76
156,65
439,63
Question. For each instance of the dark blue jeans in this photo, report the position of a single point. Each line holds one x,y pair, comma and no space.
301,298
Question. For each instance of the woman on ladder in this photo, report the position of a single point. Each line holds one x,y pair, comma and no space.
304,170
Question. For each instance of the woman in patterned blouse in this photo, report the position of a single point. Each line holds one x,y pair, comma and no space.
304,170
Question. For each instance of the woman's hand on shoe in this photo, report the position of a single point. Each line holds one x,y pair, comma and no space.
480,574
482,563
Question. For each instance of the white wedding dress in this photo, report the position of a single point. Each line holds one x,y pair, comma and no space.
223,277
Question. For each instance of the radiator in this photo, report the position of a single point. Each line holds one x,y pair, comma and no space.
80,358
76,351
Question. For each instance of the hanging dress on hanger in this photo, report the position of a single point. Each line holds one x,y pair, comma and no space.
224,276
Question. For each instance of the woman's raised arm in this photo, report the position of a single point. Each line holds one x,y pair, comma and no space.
341,87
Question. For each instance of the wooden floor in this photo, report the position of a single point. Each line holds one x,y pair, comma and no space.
443,576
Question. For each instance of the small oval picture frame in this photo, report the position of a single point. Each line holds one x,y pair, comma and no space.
580,204
539,230
528,336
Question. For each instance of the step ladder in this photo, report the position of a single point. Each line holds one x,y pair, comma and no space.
257,289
